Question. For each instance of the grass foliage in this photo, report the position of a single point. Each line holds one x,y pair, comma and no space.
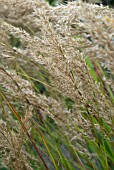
56,86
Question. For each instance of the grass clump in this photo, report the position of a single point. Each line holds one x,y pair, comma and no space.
56,86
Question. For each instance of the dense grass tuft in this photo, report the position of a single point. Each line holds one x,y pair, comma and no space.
56,86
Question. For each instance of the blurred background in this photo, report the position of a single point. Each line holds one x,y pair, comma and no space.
104,2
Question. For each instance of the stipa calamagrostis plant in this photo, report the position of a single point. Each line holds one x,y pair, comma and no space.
61,49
